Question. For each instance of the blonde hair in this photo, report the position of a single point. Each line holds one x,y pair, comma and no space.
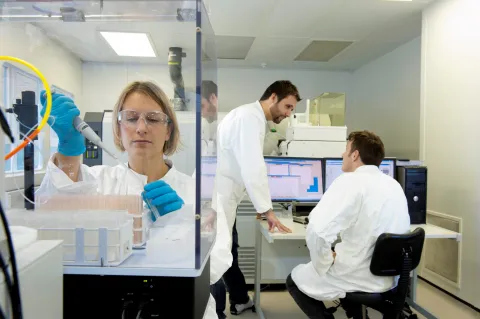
151,90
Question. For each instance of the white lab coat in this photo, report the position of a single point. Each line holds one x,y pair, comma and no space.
240,163
108,180
116,180
359,206
240,167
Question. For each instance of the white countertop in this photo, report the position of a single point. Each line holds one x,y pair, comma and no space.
299,231
161,258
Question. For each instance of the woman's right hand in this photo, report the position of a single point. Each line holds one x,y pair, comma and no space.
64,110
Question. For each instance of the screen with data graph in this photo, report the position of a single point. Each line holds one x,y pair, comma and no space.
295,179
333,169
290,179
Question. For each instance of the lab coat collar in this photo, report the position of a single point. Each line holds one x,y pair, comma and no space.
260,109
168,177
367,169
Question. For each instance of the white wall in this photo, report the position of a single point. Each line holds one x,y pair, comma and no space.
241,86
58,65
449,129
103,83
387,100
29,43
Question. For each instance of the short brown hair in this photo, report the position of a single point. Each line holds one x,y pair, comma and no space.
369,146
154,92
282,89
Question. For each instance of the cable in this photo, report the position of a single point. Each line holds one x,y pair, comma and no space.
48,106
15,298
8,281
140,309
5,126
2,315
126,304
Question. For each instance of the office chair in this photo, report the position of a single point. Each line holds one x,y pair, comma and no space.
394,255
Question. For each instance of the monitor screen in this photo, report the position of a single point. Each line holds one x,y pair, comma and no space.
295,179
209,166
333,169
388,167
289,179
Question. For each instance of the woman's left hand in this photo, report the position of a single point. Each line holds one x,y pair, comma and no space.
163,197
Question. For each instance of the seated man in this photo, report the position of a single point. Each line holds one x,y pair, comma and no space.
360,205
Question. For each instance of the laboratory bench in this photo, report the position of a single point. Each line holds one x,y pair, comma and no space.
286,251
155,278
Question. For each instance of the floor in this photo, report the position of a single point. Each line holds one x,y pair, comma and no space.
279,305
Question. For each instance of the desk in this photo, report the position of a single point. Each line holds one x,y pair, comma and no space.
299,233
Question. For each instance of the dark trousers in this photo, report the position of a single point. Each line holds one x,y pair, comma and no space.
314,309
233,279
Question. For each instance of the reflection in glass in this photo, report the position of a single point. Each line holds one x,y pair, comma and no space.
86,49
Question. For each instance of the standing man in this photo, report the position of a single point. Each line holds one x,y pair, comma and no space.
241,166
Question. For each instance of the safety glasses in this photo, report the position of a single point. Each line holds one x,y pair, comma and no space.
130,118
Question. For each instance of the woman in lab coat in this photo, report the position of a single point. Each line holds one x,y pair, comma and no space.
146,128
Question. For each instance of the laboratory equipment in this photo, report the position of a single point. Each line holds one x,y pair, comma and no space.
319,132
26,111
333,169
327,109
94,238
93,154
40,275
132,204
139,283
413,180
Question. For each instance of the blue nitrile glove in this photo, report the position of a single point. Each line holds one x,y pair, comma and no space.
70,141
163,197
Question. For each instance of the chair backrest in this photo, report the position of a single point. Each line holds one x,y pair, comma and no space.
391,250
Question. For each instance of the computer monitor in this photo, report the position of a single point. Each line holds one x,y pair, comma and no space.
389,166
208,169
295,179
333,169
289,178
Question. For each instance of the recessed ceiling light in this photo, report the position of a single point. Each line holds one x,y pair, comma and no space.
130,44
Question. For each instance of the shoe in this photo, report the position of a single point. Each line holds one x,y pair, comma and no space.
239,308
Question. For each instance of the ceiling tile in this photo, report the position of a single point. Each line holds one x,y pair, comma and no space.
240,18
322,51
298,18
358,18
276,49
233,47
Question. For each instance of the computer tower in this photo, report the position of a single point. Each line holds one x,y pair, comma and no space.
93,154
413,180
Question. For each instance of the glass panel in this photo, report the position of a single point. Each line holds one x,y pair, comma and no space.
328,109
8,164
150,67
207,104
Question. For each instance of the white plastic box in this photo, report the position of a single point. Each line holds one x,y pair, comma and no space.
89,238
317,133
